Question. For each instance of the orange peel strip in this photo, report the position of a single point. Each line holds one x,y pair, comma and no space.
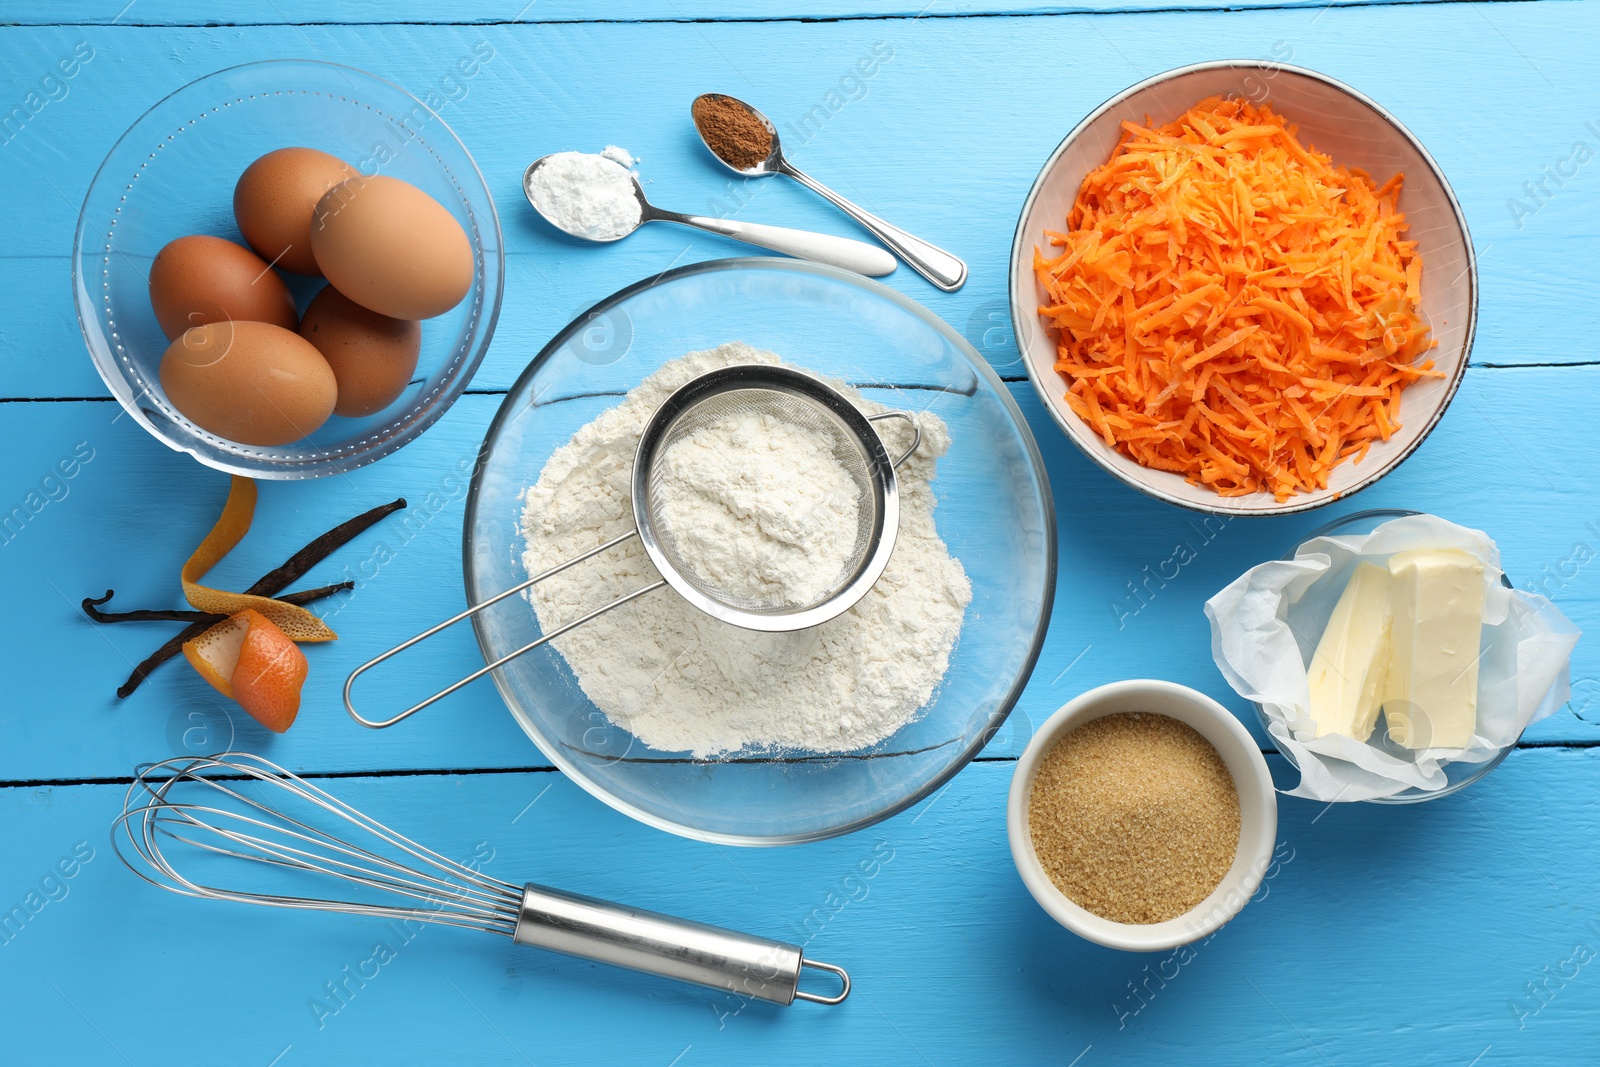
250,660
295,621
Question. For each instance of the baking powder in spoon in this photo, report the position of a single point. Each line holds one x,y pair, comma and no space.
587,194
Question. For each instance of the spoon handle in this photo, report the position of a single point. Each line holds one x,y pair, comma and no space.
941,268
802,244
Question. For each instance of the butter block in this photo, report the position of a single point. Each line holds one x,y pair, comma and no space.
1431,689
1346,674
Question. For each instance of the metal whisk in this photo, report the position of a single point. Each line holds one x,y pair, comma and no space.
210,812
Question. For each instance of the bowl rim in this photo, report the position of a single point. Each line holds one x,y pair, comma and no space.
981,367
1257,840
1073,427
309,467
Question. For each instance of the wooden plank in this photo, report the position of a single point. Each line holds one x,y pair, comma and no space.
492,12
1458,932
1382,935
974,139
1123,607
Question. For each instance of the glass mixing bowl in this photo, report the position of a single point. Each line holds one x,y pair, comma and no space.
173,174
994,512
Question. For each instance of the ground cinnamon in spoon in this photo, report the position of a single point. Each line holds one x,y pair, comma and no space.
1134,817
737,136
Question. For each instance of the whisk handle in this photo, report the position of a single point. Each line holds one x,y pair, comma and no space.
670,947
378,724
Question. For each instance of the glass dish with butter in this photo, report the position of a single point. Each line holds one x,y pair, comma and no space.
1388,657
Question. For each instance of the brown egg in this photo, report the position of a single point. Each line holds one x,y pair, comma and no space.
199,279
372,355
274,200
249,382
392,248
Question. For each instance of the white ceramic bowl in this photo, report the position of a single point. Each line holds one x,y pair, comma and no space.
1355,132
1258,813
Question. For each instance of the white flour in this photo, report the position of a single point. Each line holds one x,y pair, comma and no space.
681,681
759,508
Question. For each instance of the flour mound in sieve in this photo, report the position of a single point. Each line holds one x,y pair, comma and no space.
760,509
681,681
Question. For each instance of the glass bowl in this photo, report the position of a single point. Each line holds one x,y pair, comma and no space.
994,512
173,174
1457,775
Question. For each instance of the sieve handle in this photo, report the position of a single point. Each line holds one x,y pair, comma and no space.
916,432
378,724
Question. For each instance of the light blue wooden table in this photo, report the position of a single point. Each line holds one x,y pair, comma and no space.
1461,932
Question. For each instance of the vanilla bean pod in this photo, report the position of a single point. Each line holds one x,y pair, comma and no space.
270,584
91,607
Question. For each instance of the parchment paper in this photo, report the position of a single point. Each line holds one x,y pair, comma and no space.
1266,624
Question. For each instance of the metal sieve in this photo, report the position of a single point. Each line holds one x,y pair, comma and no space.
774,393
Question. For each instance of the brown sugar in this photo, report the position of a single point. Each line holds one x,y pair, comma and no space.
737,136
1134,817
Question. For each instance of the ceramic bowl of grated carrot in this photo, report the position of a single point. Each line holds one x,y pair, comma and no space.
1243,288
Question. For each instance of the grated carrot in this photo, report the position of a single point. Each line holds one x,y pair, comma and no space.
1231,306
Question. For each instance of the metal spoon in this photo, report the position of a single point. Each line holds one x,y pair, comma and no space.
840,252
941,268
